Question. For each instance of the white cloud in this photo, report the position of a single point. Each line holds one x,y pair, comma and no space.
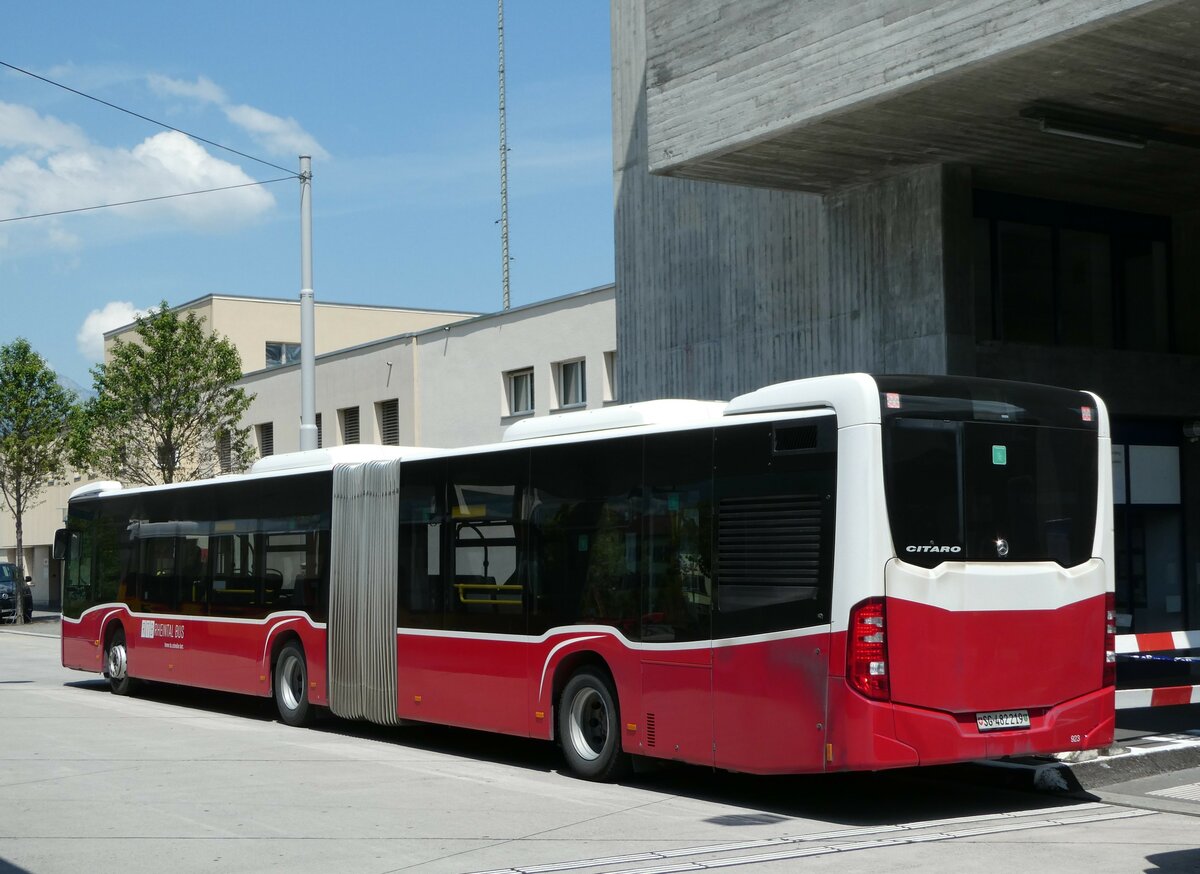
282,136
164,164
203,89
115,314
48,165
22,128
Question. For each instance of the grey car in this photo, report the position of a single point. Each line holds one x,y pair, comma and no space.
9,586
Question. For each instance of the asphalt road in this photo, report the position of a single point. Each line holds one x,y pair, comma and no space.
178,780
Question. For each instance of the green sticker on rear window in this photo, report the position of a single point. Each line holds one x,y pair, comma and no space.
999,455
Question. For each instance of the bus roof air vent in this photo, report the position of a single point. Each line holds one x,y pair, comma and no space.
679,413
325,459
90,489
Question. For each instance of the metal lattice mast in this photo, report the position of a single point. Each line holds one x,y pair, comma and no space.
503,163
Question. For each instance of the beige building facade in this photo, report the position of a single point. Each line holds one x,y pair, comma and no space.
266,331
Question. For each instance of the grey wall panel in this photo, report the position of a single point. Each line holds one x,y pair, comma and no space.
723,75
717,285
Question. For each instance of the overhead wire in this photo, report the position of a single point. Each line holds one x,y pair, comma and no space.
291,173
145,199
162,124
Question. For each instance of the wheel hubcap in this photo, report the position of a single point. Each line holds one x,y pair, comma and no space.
589,724
291,682
117,661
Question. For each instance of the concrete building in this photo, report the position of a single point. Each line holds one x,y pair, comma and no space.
456,385
1005,188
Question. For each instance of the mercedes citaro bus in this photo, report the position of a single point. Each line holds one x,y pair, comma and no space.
845,572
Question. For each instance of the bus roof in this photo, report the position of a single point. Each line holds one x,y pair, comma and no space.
854,397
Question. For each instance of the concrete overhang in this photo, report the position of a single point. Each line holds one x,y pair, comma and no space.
1087,101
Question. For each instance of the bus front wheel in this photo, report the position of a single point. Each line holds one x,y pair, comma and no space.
116,664
291,685
589,725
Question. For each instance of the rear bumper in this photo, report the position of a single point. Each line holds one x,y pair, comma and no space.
876,735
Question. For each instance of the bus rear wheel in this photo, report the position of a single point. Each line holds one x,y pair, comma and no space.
116,664
589,725
291,685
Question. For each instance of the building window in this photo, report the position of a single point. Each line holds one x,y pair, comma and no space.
225,452
320,442
348,422
279,354
572,383
520,391
266,438
610,376
1059,274
1149,530
388,415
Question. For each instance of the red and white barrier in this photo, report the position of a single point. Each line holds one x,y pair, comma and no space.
1163,696
1158,641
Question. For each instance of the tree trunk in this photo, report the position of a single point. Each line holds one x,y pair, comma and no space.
19,582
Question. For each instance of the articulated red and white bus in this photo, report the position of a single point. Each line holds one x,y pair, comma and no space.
847,572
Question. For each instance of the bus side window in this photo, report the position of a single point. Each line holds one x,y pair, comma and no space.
77,580
309,589
419,571
157,580
583,536
677,525
235,575
194,575
486,584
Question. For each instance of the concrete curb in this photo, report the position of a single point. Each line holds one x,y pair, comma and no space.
1146,757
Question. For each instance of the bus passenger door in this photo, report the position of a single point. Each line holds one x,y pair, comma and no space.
676,620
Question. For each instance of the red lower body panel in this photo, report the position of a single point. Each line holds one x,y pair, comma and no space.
760,706
870,735
222,654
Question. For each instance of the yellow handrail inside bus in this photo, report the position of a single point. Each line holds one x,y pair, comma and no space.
482,588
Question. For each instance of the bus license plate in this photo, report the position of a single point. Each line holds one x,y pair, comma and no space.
1002,719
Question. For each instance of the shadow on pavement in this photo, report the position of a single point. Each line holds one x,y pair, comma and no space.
1180,861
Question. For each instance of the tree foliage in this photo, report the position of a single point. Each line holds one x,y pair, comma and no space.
166,407
35,419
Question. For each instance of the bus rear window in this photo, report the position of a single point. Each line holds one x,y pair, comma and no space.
986,491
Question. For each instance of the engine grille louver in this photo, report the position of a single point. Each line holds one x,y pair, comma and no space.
770,541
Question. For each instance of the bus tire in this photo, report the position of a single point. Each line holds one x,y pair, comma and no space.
291,685
116,664
589,726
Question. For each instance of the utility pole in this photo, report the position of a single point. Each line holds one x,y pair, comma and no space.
503,165
308,357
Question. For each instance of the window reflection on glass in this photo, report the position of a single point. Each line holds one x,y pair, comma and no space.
279,354
520,392
572,384
1064,274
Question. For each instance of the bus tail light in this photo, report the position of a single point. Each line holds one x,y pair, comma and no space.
1110,640
866,650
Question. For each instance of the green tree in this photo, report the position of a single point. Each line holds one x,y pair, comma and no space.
166,407
35,419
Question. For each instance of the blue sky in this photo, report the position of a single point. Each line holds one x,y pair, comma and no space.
395,100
